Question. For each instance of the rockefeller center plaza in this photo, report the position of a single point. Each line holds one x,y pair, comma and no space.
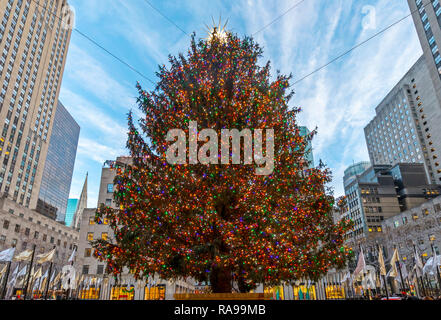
220,159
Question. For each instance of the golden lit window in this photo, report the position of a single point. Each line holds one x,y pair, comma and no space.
90,236
154,293
414,216
91,221
87,252
432,237
370,229
104,235
379,229
106,221
90,294
121,293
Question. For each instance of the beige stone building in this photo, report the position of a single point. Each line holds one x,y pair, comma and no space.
23,228
90,268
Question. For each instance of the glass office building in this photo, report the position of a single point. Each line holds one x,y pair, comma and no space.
70,211
304,131
58,170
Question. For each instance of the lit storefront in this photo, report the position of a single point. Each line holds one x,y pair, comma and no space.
90,294
155,292
277,292
303,292
121,293
335,292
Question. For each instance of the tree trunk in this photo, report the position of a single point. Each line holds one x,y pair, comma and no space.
220,279
243,286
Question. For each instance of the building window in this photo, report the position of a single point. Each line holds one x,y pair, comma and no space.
85,269
44,237
91,221
27,231
90,236
100,269
6,224
106,221
14,242
104,235
109,187
36,235
87,252
52,239
108,202
2,239
17,228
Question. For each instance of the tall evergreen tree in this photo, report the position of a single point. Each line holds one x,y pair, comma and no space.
221,223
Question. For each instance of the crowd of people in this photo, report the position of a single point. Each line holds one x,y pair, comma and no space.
405,296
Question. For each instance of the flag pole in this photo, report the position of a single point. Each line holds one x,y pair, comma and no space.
6,280
397,263
436,265
49,277
384,277
420,277
71,263
29,274
363,274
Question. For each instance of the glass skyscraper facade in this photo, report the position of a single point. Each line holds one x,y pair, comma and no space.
304,131
70,211
58,170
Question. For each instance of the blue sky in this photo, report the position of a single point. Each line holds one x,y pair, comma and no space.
340,100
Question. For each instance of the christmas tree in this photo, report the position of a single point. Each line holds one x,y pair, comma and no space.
221,223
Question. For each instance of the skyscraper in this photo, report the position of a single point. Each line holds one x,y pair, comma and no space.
304,131
70,211
354,170
406,126
33,49
60,160
427,18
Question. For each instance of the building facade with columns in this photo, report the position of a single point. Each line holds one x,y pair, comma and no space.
24,228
